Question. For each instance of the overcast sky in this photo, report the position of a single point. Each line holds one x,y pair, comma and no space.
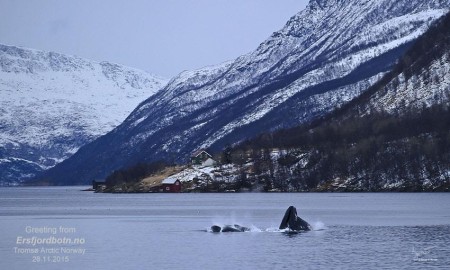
163,37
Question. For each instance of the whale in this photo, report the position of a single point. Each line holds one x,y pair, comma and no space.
292,222
229,228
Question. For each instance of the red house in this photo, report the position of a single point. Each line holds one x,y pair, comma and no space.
171,185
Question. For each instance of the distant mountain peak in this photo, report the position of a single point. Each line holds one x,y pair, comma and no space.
52,104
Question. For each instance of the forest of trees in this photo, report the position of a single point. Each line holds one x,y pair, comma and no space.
134,174
371,151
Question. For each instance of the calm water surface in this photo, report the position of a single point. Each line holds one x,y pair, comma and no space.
168,231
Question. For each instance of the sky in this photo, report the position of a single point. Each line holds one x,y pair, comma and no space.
163,37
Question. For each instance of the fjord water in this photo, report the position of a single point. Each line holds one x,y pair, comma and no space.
169,231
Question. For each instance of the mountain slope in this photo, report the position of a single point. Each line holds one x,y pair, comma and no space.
51,104
394,137
325,55
419,80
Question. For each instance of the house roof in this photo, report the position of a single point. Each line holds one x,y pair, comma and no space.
198,152
169,180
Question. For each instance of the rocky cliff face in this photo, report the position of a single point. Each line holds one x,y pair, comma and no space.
326,55
51,104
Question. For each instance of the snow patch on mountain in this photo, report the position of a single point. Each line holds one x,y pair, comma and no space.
429,87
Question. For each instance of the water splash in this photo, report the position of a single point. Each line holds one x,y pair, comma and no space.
253,228
274,229
318,226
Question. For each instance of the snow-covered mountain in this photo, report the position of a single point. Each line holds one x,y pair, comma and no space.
393,137
51,104
325,55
